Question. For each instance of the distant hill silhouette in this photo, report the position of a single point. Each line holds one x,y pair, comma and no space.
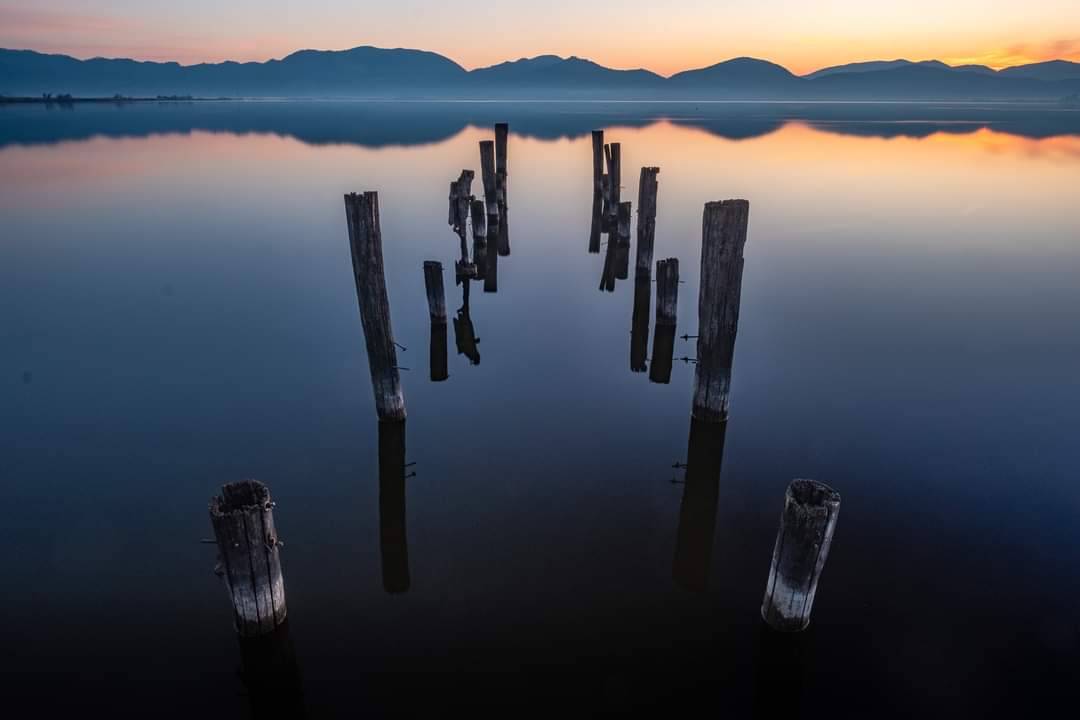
369,72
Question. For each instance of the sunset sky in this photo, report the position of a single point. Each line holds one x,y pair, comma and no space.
665,37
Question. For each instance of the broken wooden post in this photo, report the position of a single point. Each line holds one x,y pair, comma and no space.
393,539
723,236
248,556
802,546
622,242
479,233
365,240
639,325
646,221
597,161
436,296
608,272
697,513
502,132
667,302
460,196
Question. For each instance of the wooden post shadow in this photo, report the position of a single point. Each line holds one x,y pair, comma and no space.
667,300
723,236
780,673
436,297
393,540
639,325
697,514
249,558
464,332
597,223
365,242
272,675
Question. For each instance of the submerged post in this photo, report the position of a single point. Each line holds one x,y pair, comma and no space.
667,301
597,161
436,295
723,236
248,556
365,240
802,546
646,221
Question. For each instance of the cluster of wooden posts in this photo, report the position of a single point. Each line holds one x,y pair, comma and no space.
243,515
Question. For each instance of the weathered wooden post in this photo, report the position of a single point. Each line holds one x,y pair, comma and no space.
487,174
436,295
622,240
479,231
646,221
393,539
639,325
597,223
667,303
460,196
248,556
697,514
608,272
502,132
491,272
614,179
723,236
802,546
597,161
365,240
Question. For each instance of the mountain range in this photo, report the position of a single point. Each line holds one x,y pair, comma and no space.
370,72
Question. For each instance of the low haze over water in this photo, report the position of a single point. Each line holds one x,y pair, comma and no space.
179,312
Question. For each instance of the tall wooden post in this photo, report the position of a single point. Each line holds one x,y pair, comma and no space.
436,295
646,222
597,161
393,539
697,514
502,132
667,301
723,236
802,547
487,173
622,239
460,196
248,556
365,240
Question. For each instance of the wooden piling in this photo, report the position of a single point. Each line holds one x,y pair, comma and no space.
697,513
639,325
436,295
614,179
460,197
802,547
393,538
667,300
622,242
487,173
502,132
248,556
646,224
723,237
597,160
365,240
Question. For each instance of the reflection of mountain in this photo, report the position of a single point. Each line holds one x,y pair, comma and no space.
389,123
377,73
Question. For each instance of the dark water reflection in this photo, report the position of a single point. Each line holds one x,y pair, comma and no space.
179,313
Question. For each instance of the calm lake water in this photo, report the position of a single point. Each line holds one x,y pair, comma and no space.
179,312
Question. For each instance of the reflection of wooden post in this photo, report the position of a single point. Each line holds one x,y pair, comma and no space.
479,236
437,352
436,295
697,514
502,132
365,240
248,559
646,221
464,332
723,237
272,675
622,234
393,541
802,546
667,299
597,161
639,325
